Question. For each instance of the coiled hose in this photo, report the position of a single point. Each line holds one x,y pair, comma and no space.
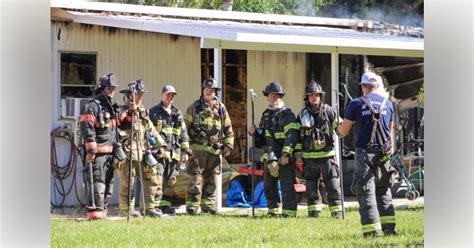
61,173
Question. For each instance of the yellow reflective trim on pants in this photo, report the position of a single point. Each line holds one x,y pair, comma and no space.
273,210
206,202
312,208
289,212
192,204
387,219
124,207
162,203
205,148
331,153
287,149
336,208
371,227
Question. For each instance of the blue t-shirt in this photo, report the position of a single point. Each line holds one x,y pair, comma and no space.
360,113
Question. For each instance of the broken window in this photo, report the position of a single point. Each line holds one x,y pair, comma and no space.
234,94
78,75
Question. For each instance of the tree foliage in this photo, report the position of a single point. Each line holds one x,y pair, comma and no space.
421,96
388,10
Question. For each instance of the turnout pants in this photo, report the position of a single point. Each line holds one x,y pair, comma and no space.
103,180
167,172
202,172
372,182
329,170
286,175
150,184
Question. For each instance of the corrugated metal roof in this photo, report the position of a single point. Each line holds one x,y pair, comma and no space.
253,36
186,13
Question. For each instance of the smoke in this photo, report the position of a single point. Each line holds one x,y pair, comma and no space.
377,14
403,16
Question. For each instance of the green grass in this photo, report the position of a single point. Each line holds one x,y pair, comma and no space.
233,231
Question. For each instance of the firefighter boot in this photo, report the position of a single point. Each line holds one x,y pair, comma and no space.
191,211
313,214
167,210
96,215
154,213
337,215
133,213
210,210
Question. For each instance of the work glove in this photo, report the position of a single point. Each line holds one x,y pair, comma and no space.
227,151
273,168
90,157
284,159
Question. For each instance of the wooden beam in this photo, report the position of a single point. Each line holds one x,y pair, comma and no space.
396,67
61,15
393,87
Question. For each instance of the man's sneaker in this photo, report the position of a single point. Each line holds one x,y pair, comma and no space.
377,233
337,215
191,211
154,212
211,210
133,213
96,215
313,214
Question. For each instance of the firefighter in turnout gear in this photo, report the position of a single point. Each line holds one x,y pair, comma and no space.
142,159
373,175
278,134
169,122
98,125
317,122
211,136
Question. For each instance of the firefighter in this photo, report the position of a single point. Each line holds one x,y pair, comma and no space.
278,134
211,136
148,140
315,149
98,125
373,175
169,122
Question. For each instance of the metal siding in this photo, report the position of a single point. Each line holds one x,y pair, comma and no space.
156,58
288,68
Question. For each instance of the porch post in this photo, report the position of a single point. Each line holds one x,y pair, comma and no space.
218,77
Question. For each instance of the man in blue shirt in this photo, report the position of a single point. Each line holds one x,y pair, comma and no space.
374,117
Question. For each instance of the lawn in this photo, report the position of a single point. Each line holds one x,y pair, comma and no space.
230,230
